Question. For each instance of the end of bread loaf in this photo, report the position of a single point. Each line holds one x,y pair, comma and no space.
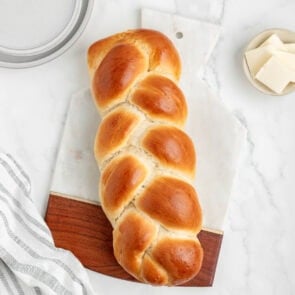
147,161
157,259
181,258
143,51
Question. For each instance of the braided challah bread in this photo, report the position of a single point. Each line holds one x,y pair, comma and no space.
147,161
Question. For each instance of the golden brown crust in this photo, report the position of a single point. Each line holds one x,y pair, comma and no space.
163,55
173,203
115,74
98,50
172,147
152,273
118,182
181,258
131,238
114,131
161,99
146,160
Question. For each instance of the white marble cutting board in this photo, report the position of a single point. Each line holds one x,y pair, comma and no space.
215,131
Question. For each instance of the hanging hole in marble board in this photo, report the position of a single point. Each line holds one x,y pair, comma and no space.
179,35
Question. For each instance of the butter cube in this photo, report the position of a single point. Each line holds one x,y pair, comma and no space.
275,75
290,47
257,57
275,41
286,58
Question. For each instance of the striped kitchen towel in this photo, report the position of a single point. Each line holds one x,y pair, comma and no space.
29,261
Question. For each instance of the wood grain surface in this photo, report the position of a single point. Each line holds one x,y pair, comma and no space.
82,228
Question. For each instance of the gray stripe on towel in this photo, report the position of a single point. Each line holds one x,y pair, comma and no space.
34,254
19,206
3,278
41,239
20,169
14,280
38,291
35,272
13,176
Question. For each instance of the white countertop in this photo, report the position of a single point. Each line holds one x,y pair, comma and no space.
257,255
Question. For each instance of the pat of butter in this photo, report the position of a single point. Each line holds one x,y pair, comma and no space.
286,58
257,57
290,47
275,41
275,75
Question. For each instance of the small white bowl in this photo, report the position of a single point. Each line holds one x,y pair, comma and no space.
287,37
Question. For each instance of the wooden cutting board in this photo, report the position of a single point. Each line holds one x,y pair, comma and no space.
81,227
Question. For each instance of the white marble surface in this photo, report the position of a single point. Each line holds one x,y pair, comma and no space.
257,255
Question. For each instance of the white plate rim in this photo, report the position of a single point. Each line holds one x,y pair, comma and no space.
55,47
